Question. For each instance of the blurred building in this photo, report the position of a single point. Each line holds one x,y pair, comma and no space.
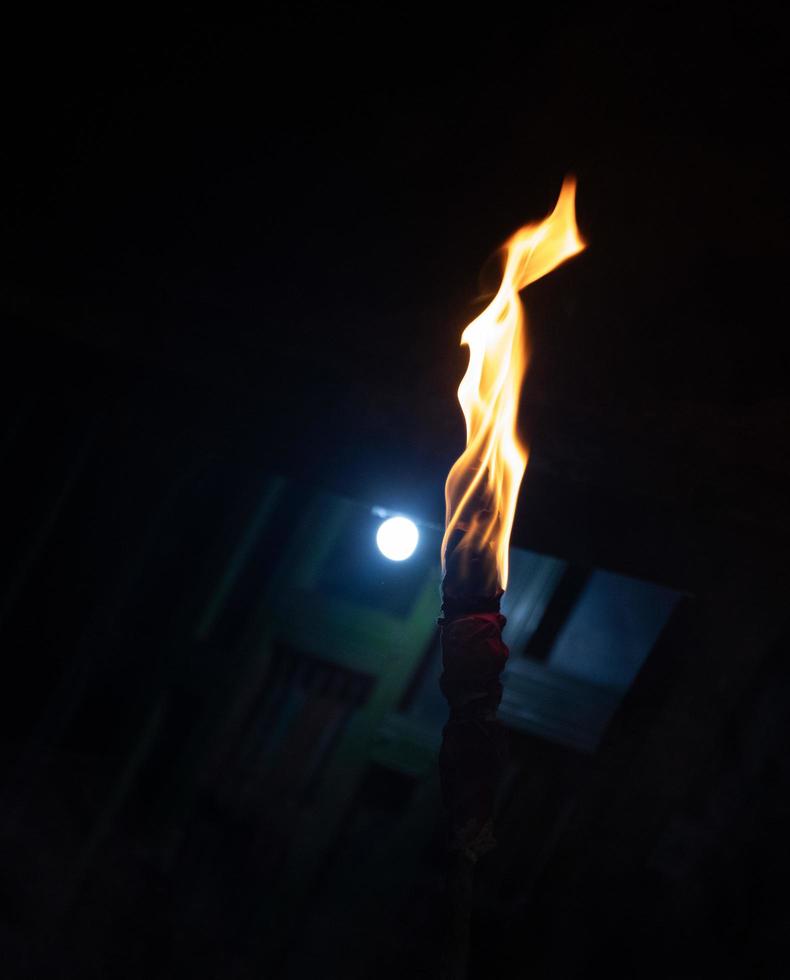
225,716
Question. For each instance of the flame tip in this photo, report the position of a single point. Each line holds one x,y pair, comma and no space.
483,484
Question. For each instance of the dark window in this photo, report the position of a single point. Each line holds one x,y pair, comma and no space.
612,627
303,707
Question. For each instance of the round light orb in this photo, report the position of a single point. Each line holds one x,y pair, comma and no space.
397,538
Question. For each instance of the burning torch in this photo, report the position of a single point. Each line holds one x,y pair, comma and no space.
481,493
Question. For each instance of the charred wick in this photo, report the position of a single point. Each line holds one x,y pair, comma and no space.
471,578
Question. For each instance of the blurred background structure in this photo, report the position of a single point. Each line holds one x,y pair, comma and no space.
220,740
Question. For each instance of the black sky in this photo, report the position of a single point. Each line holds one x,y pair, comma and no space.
296,207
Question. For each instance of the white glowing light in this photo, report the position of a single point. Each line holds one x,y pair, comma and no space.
397,538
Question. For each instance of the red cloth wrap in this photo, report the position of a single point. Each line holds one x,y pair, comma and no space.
473,745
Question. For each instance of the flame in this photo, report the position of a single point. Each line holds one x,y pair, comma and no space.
483,484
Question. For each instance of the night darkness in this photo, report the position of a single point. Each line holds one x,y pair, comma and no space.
237,254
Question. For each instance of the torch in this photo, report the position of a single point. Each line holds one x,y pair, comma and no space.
480,495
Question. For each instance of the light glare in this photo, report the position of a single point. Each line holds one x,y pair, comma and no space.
397,538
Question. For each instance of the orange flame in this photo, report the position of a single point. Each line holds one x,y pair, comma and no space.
482,486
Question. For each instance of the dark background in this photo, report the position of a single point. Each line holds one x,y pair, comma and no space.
242,245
